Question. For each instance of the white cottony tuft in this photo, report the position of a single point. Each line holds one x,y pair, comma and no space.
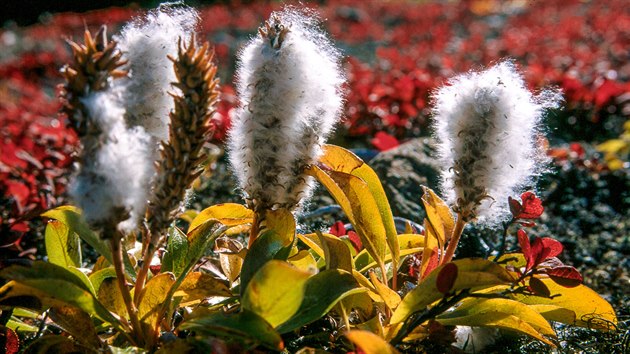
474,339
289,86
146,42
116,166
488,125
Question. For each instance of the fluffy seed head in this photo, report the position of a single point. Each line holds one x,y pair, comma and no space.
111,183
289,82
146,43
488,125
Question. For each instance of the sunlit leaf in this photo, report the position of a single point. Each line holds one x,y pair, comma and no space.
275,292
370,343
304,261
71,217
18,325
590,309
473,273
231,256
336,252
321,293
265,248
62,246
438,214
313,242
245,326
229,214
554,313
111,297
409,244
150,304
343,160
198,286
389,296
431,251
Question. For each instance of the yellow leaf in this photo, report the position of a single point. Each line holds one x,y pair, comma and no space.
369,342
590,309
389,296
304,261
282,222
373,325
438,214
432,249
342,160
364,282
360,302
228,214
109,294
612,146
495,308
150,305
275,292
554,313
313,242
198,286
473,273
336,252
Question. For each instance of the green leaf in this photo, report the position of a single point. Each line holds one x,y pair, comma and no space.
97,278
62,246
473,273
71,217
19,326
590,309
245,326
322,291
174,259
266,247
56,283
275,292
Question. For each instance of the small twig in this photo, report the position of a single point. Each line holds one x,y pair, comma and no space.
452,244
502,245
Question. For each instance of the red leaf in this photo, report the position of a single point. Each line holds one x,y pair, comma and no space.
383,141
526,248
338,229
554,246
356,241
538,287
539,253
9,340
19,191
432,264
567,276
446,278
532,206
515,207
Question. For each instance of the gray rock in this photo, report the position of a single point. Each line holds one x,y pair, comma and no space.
403,170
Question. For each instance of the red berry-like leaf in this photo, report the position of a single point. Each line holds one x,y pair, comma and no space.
446,278
9,340
554,246
355,240
538,287
532,207
523,241
338,229
155,269
567,276
383,141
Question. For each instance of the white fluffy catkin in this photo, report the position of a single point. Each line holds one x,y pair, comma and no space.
289,86
146,42
116,166
487,124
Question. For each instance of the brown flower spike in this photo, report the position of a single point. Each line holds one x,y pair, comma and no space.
190,128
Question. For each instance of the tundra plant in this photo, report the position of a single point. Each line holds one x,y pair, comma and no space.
274,292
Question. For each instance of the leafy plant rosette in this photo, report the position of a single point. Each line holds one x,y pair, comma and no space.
262,296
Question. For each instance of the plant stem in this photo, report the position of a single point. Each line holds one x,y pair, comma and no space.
452,244
502,245
117,256
147,256
253,232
